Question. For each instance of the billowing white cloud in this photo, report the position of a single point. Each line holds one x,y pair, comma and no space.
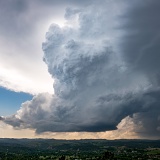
23,27
96,85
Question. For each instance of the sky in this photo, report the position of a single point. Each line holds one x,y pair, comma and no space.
80,69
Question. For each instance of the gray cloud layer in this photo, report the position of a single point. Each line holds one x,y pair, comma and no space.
105,68
141,51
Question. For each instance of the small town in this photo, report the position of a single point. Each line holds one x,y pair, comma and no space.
51,149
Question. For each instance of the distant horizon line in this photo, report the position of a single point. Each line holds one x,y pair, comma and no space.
81,139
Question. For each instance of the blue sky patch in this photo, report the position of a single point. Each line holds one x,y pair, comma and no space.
11,101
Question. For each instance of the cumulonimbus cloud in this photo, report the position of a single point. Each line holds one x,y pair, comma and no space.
96,84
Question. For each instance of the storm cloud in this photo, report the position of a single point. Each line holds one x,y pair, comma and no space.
105,66
141,52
